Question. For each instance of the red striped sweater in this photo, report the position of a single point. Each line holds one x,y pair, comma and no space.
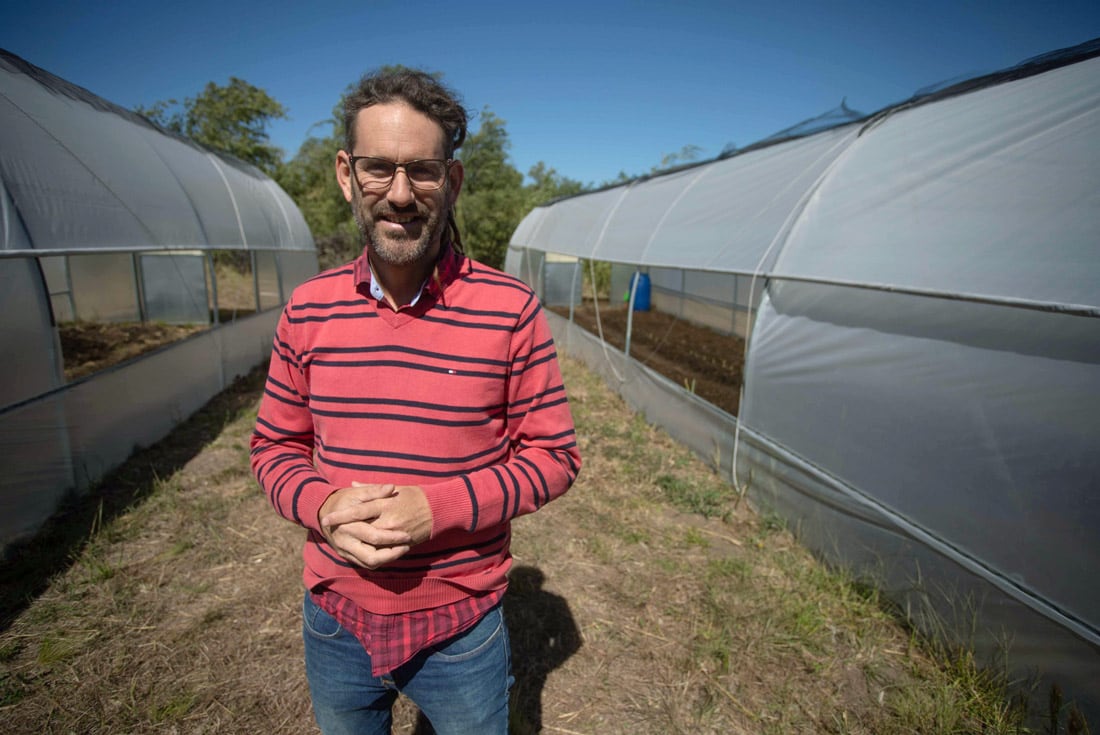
460,394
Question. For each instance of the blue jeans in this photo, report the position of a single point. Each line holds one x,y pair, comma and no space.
460,685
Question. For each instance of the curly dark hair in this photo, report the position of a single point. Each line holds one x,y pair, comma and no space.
420,90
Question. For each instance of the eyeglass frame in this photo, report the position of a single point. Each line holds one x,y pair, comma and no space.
447,163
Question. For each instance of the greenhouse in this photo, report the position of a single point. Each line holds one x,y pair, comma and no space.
107,219
914,297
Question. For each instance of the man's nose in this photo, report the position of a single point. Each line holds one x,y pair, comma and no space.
401,191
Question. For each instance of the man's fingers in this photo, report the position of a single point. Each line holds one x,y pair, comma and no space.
370,556
364,512
358,532
374,558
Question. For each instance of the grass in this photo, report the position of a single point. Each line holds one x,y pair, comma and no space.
645,601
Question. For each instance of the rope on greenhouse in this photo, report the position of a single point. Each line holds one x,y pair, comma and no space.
599,324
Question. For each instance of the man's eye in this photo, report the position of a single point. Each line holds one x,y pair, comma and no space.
380,169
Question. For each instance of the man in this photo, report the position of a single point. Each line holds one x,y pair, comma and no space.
413,407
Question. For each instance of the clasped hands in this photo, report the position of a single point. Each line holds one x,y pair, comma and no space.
372,525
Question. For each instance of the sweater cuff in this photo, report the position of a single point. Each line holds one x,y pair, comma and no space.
452,506
310,502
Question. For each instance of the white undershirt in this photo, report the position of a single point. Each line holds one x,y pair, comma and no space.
377,292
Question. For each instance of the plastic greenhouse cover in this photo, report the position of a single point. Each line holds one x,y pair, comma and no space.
995,192
722,216
84,174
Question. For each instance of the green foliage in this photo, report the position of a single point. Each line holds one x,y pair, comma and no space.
547,185
597,278
492,200
310,180
709,499
232,119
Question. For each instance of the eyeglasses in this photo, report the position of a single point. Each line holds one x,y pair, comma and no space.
425,174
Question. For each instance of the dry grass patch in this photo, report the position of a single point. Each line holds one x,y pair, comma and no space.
644,602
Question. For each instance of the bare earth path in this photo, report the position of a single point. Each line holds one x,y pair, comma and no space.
645,601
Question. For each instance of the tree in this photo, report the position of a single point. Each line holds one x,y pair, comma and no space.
310,180
547,185
232,119
493,199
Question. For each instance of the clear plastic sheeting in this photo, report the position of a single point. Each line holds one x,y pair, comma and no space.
103,287
921,295
994,193
723,216
106,218
267,280
977,422
83,174
31,354
68,439
176,283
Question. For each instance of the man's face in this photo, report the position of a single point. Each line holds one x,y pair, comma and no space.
403,225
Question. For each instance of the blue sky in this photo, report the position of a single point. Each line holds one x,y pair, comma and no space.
591,88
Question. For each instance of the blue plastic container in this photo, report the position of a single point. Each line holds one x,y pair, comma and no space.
641,298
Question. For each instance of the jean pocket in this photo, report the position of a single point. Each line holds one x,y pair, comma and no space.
317,622
487,632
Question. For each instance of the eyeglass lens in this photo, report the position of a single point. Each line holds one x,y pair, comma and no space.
379,172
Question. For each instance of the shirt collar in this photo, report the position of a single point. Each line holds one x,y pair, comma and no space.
447,267
377,292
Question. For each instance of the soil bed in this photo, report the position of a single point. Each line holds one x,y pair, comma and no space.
702,360
88,347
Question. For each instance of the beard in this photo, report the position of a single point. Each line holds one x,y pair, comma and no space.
412,244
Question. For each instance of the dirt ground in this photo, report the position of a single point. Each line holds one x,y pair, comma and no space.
702,360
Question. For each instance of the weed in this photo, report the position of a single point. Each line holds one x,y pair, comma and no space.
727,569
695,537
174,708
54,649
708,499
633,535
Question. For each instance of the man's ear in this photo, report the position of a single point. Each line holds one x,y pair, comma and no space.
455,176
343,174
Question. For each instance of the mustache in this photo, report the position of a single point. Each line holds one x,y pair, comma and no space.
383,209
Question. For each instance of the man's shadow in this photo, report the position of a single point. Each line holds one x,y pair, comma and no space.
543,635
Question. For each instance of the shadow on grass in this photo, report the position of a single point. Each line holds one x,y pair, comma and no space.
28,565
543,635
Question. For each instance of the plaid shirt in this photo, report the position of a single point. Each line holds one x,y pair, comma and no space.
392,640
